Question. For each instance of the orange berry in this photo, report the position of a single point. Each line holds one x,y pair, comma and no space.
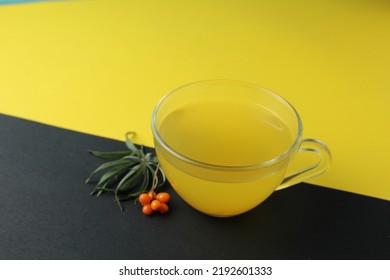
163,197
155,205
152,195
163,208
147,209
144,199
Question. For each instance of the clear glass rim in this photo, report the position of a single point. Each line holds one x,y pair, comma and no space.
269,162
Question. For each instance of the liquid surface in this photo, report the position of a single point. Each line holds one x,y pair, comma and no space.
228,134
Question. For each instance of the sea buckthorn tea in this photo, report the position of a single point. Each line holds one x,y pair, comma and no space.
225,146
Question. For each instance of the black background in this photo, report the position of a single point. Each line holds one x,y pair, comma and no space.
46,212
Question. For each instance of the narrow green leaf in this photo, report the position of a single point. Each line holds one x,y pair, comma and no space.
99,190
118,201
130,143
107,165
122,197
112,174
129,179
151,158
110,155
145,182
133,158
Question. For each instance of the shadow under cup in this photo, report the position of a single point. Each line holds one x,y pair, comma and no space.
225,146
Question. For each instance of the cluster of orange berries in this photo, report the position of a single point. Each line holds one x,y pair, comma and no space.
152,202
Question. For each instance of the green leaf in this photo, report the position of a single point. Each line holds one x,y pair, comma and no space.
108,165
151,158
110,155
112,174
122,197
135,158
130,143
145,182
129,179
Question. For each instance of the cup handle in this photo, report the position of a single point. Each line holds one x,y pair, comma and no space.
325,158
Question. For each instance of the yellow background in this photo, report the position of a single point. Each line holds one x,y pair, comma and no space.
101,66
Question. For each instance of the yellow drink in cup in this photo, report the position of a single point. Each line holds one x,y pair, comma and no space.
225,146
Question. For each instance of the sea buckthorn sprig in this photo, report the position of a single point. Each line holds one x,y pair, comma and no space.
129,174
152,202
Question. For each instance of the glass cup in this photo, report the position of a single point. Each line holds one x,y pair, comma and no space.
225,146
